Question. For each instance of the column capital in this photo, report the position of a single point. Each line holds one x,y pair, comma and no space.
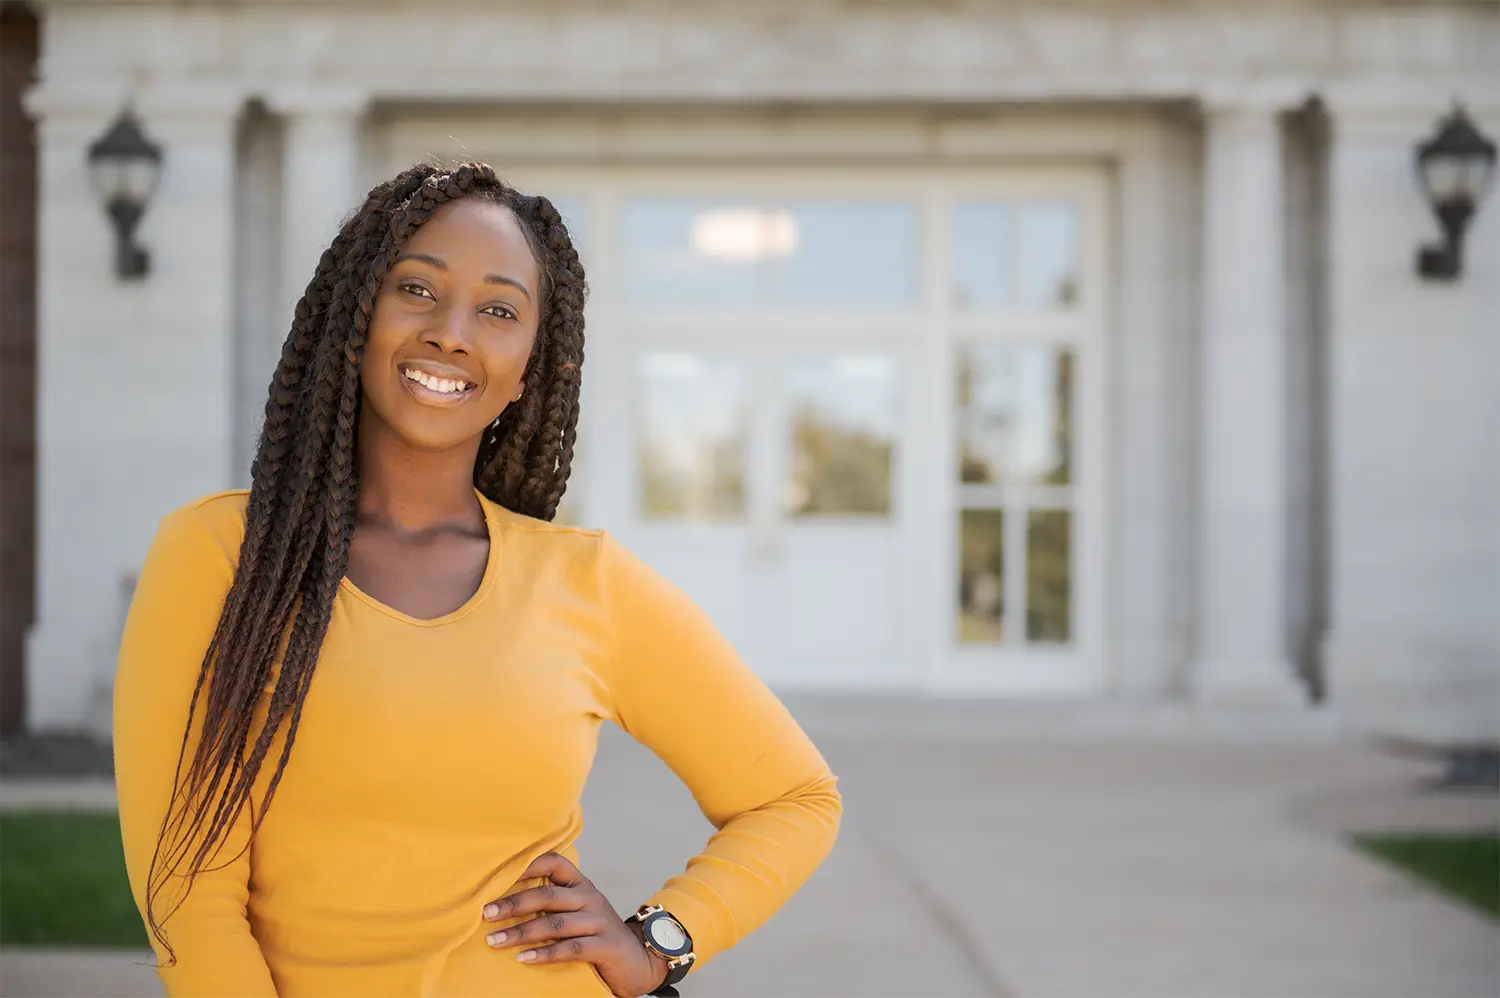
1251,102
301,100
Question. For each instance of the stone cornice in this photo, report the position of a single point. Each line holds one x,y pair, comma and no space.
636,51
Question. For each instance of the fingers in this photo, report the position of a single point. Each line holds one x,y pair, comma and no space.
569,890
556,868
547,928
586,949
544,897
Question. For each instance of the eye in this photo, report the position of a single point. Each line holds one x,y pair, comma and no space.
501,312
416,290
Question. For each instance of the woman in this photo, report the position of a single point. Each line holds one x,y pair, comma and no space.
391,597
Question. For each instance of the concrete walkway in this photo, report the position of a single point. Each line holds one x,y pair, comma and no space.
976,862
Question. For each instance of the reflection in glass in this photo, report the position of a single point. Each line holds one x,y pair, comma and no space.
800,254
981,576
1048,254
1015,413
1048,575
691,253
982,259
848,254
844,414
691,442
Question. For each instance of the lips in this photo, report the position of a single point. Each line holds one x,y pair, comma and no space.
436,384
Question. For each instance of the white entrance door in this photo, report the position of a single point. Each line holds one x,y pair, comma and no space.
857,414
770,487
767,327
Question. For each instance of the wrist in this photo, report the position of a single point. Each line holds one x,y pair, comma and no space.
666,939
659,966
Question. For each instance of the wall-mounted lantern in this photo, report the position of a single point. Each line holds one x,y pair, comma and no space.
1455,169
125,167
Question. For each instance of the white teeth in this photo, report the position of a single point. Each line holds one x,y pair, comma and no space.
442,385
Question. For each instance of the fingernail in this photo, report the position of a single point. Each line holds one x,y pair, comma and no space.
527,956
492,911
495,938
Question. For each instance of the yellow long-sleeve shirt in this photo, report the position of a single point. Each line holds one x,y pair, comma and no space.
436,759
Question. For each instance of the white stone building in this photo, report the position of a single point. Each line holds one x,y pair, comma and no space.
1020,348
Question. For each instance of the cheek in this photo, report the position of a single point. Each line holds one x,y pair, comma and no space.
384,329
380,342
506,360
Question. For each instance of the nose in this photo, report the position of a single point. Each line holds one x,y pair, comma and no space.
449,331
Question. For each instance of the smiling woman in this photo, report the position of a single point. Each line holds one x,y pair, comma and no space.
391,596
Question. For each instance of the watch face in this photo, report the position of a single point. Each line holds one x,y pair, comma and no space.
667,935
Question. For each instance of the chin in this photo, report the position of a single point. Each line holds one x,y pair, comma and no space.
430,430
438,439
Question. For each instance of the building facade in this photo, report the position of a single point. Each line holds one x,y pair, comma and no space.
1013,349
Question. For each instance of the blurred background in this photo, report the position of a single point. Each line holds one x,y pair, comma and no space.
1085,414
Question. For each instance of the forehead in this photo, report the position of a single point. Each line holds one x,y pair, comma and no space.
476,235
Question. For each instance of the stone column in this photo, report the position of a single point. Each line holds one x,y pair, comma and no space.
1242,390
320,166
133,376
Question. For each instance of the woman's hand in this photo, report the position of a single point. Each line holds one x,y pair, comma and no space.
575,923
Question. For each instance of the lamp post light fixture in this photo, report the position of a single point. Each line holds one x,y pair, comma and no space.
1455,169
125,166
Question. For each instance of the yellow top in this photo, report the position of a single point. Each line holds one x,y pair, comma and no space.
436,759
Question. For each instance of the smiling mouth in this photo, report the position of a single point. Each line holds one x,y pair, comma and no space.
431,388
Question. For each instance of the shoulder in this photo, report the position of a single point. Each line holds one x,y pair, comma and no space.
558,537
579,552
214,523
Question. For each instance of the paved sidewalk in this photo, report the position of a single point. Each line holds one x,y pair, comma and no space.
1180,867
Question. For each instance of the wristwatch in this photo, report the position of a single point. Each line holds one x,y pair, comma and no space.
666,937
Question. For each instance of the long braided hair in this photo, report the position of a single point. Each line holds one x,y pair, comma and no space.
304,483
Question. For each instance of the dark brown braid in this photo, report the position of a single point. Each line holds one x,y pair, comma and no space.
304,483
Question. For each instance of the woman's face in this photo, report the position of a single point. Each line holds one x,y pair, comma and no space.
453,327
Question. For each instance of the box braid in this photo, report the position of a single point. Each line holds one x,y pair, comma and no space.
304,483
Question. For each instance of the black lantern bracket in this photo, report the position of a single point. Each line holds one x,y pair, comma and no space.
126,166
1455,169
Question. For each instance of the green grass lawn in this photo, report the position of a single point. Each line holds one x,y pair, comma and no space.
62,881
1468,866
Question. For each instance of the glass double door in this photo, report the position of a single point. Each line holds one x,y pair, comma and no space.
770,483
859,416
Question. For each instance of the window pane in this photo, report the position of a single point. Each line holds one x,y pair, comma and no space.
1015,413
982,259
1049,254
846,254
692,438
694,253
1049,614
844,413
981,576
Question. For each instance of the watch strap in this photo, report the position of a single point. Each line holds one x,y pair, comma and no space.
674,974
676,970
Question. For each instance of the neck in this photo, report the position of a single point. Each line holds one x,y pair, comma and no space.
410,489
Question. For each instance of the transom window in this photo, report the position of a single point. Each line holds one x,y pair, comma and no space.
795,253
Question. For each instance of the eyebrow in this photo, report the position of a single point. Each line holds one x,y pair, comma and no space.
433,261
